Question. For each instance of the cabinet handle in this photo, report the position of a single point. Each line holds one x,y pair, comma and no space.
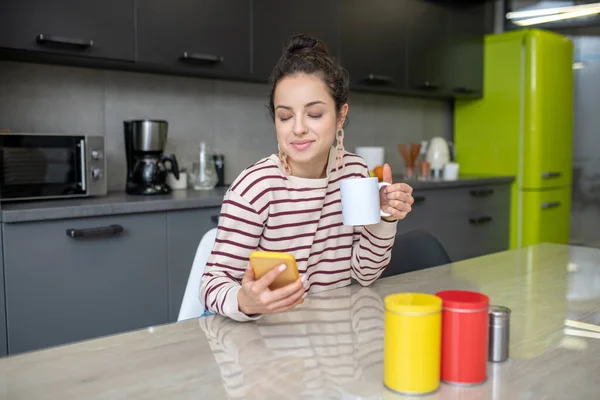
482,192
550,204
215,219
44,39
427,85
418,199
111,230
374,78
480,220
550,175
206,58
463,90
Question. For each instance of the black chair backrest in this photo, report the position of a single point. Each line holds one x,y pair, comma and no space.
415,250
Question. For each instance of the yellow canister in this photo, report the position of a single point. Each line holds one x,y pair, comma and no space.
412,343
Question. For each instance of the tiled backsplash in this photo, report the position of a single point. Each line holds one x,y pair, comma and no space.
230,116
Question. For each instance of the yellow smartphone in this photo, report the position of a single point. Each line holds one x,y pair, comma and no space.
264,261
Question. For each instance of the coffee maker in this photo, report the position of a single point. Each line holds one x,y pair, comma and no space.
145,142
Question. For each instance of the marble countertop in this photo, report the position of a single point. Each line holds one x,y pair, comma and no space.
331,347
121,203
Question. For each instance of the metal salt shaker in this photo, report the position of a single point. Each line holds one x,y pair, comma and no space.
499,329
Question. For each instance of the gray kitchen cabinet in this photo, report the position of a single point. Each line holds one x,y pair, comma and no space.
373,44
402,47
292,17
101,29
75,279
209,37
184,232
3,342
468,221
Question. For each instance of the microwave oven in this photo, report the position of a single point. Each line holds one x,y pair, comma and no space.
37,166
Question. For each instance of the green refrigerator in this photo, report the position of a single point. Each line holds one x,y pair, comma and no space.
523,127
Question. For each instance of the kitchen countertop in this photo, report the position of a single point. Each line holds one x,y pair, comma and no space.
121,203
462,181
332,345
111,204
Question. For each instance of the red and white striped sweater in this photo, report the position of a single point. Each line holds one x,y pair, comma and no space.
266,210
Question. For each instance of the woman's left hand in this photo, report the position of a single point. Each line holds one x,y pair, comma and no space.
395,199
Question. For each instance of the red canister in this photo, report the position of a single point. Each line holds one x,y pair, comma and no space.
464,337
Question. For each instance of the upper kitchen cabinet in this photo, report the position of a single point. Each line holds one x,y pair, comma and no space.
274,21
464,70
373,44
445,48
204,37
428,48
90,28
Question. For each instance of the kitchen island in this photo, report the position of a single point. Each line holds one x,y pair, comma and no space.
332,345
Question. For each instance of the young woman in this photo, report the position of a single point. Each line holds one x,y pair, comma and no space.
290,202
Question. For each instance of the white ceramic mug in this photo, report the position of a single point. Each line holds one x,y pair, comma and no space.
451,171
360,201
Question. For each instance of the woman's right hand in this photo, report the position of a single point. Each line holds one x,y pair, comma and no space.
255,297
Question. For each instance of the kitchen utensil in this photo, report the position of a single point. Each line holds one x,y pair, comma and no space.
464,337
409,153
499,333
205,174
412,336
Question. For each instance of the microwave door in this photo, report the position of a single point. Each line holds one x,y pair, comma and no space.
34,166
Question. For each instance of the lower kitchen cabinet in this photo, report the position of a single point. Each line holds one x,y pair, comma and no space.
3,342
469,222
75,279
184,232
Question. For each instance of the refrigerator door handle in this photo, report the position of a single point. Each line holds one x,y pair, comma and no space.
550,175
550,204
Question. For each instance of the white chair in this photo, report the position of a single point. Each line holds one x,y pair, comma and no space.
191,306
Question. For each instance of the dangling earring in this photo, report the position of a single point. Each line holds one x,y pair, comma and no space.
284,163
339,150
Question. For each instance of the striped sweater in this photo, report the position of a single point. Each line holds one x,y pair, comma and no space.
264,209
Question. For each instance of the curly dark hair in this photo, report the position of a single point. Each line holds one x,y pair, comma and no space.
309,55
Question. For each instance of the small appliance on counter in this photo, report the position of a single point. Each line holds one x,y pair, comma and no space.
145,142
38,166
438,155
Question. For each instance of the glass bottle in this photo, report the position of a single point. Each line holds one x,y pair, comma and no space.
205,175
421,165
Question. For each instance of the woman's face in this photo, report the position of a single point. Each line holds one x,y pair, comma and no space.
305,117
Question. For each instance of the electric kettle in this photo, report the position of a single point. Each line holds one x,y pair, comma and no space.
438,155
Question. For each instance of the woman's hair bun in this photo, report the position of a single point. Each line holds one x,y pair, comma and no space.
304,44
